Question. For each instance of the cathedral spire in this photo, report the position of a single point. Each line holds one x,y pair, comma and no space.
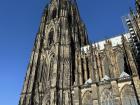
53,67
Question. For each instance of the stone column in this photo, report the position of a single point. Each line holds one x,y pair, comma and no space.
52,99
115,91
77,96
95,94
137,85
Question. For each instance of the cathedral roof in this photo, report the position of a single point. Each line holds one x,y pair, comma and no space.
114,41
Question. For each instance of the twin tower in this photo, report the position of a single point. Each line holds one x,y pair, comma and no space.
61,72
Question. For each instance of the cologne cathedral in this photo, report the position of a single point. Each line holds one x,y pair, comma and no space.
66,69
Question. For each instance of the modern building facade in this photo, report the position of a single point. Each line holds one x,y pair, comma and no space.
65,69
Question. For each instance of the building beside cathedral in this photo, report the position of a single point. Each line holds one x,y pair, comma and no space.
65,69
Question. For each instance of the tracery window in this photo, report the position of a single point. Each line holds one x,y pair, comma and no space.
128,96
107,97
120,61
87,98
64,5
50,37
52,71
54,12
83,72
51,65
127,66
88,71
106,64
69,19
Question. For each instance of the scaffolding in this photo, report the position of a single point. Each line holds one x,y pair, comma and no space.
131,26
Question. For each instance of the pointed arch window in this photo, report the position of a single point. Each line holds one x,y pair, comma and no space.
54,12
120,62
107,97
127,68
87,98
88,72
64,4
83,72
128,96
51,65
106,64
51,37
52,71
69,19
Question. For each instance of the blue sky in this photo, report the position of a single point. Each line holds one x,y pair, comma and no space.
19,22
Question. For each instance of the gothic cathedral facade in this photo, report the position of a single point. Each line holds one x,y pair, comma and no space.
66,69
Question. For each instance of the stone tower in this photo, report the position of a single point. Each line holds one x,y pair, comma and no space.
64,69
52,69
